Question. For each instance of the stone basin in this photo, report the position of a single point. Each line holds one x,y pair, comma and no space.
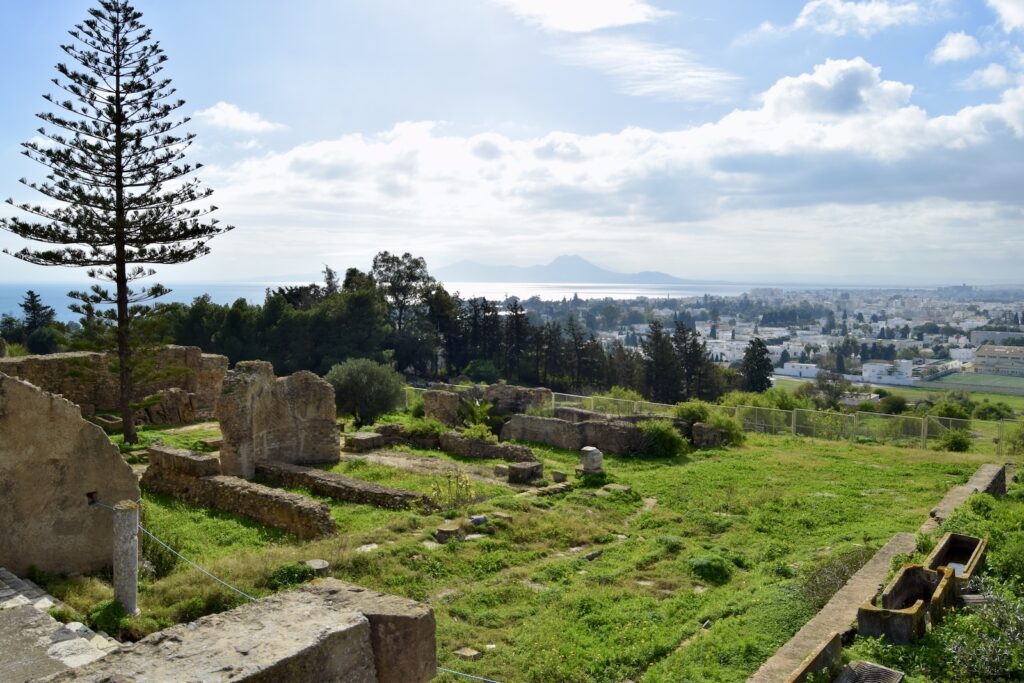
965,555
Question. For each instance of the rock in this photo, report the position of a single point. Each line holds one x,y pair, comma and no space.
320,567
524,472
170,407
501,471
502,516
431,545
288,419
467,653
213,444
360,442
442,406
478,520
617,488
507,398
339,487
591,460
474,537
707,436
50,461
558,476
611,436
446,532
593,555
368,548
183,461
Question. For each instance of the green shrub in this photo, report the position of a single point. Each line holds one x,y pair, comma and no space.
422,427
43,340
660,439
692,411
66,615
671,544
893,404
950,409
868,407
712,568
479,431
1015,440
288,575
955,440
416,406
730,425
365,389
107,615
621,394
993,411
1006,560
482,371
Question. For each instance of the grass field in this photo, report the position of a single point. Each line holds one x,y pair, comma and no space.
701,573
983,381
931,389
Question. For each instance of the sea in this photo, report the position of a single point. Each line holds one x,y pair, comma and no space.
55,295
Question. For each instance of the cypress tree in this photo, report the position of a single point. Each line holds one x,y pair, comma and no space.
121,195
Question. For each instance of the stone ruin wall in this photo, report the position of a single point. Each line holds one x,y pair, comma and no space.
279,419
50,459
90,379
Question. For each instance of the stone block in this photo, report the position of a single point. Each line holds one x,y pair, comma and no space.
707,436
172,407
501,471
447,531
591,460
51,460
442,406
340,488
361,442
462,446
558,476
291,637
184,461
507,398
524,472
827,657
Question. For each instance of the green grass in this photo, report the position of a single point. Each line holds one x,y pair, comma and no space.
755,514
187,438
982,380
931,389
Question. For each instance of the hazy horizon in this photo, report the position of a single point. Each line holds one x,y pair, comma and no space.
816,141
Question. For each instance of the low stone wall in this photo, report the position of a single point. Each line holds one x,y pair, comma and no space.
339,487
398,434
51,461
90,379
607,435
289,419
325,631
706,436
454,443
184,475
507,398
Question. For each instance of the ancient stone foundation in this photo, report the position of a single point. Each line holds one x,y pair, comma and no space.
51,462
455,443
609,436
90,379
338,487
192,477
442,406
328,631
263,418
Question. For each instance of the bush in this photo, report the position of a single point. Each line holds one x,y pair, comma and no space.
692,411
482,371
868,407
893,404
1006,560
993,411
950,409
44,340
479,431
416,406
107,615
712,568
955,440
621,394
365,389
731,426
1015,440
420,427
288,575
660,439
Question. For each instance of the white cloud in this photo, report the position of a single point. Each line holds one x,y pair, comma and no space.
1010,13
231,117
955,47
583,16
647,69
992,76
838,154
844,17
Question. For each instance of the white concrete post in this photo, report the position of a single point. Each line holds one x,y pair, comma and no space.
126,555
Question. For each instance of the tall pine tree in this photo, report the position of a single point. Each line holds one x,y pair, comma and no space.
121,196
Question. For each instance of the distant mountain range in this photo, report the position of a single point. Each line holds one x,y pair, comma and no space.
564,269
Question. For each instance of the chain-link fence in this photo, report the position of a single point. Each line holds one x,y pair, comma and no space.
896,430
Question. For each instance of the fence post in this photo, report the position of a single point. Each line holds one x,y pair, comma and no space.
856,423
924,432
794,421
126,555
1000,435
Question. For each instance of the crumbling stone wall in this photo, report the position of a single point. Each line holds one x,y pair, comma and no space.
547,430
288,419
50,459
442,406
327,631
338,487
90,379
507,398
194,478
170,407
454,443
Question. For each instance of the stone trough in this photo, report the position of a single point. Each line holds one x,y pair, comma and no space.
965,555
916,596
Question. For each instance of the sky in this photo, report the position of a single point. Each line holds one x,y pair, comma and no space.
818,141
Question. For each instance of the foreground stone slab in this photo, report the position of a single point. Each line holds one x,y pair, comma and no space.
51,460
338,487
292,637
287,419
